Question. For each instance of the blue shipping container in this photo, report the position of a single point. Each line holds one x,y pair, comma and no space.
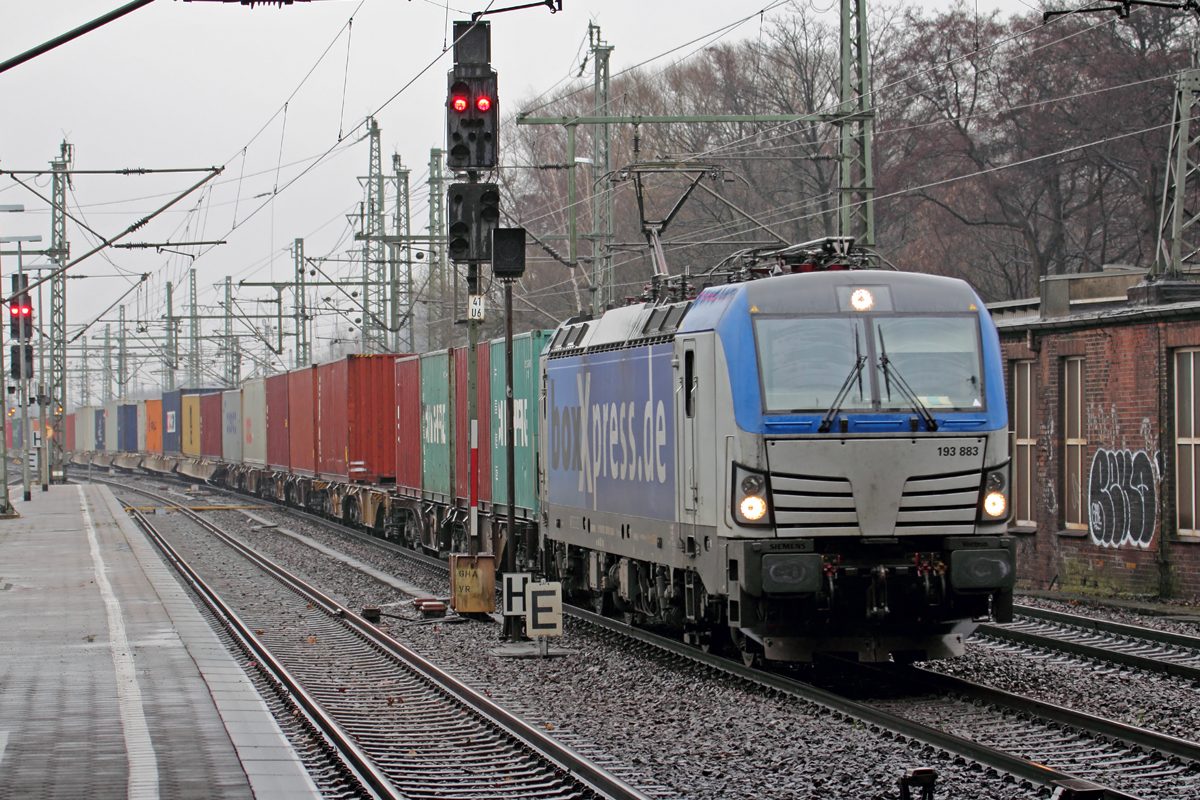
172,418
127,433
99,430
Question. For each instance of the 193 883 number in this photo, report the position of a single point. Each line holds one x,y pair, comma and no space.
965,450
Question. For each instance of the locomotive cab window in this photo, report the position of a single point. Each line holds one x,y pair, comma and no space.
805,361
937,356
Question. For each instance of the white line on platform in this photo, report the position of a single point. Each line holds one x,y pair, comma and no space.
143,766
3,744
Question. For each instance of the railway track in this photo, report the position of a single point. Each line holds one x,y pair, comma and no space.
404,727
1036,742
1140,761
1100,640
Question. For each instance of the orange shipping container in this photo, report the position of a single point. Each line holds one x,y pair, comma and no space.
154,426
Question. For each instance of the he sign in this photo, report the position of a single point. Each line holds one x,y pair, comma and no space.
514,594
543,609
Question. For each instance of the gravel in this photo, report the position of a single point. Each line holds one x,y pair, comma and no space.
702,734
1158,702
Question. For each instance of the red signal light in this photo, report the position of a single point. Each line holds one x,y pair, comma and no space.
483,103
459,103
26,310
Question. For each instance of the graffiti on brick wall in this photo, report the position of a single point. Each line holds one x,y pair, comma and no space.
1122,498
1103,424
1049,489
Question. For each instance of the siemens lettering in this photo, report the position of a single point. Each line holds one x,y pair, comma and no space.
612,432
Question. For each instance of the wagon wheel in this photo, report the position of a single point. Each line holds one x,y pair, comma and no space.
601,602
412,531
752,652
458,538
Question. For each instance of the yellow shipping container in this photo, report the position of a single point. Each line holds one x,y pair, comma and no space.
191,425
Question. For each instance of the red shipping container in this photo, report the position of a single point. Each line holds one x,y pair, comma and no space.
302,420
275,388
70,433
408,426
356,407
462,425
211,421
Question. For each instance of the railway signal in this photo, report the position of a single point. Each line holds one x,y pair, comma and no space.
14,365
473,212
20,323
472,108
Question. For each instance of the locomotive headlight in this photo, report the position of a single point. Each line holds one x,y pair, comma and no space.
995,495
750,497
861,300
995,504
753,508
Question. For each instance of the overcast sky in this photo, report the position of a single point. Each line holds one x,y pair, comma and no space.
197,84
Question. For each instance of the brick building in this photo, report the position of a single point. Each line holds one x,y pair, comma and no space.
1104,408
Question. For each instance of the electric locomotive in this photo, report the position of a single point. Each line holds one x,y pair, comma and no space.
811,461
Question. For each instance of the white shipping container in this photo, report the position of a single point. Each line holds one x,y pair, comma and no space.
111,426
231,426
254,423
85,428
141,422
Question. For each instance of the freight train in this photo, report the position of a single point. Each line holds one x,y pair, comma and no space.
800,458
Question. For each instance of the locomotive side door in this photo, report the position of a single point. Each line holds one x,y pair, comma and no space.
687,411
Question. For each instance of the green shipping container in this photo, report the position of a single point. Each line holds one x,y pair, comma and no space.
437,426
527,350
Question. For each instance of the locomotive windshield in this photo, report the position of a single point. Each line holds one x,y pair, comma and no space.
804,362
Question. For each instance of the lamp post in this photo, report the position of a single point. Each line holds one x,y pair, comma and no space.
7,509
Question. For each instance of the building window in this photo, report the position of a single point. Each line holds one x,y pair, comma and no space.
1023,430
1075,453
1187,442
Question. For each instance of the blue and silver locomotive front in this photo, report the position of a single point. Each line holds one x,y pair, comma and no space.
860,461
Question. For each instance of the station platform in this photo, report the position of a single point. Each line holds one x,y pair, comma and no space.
112,685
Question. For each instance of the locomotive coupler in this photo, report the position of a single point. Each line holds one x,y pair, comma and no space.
830,570
926,573
877,598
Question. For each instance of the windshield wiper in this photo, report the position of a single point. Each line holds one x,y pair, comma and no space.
890,371
855,372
